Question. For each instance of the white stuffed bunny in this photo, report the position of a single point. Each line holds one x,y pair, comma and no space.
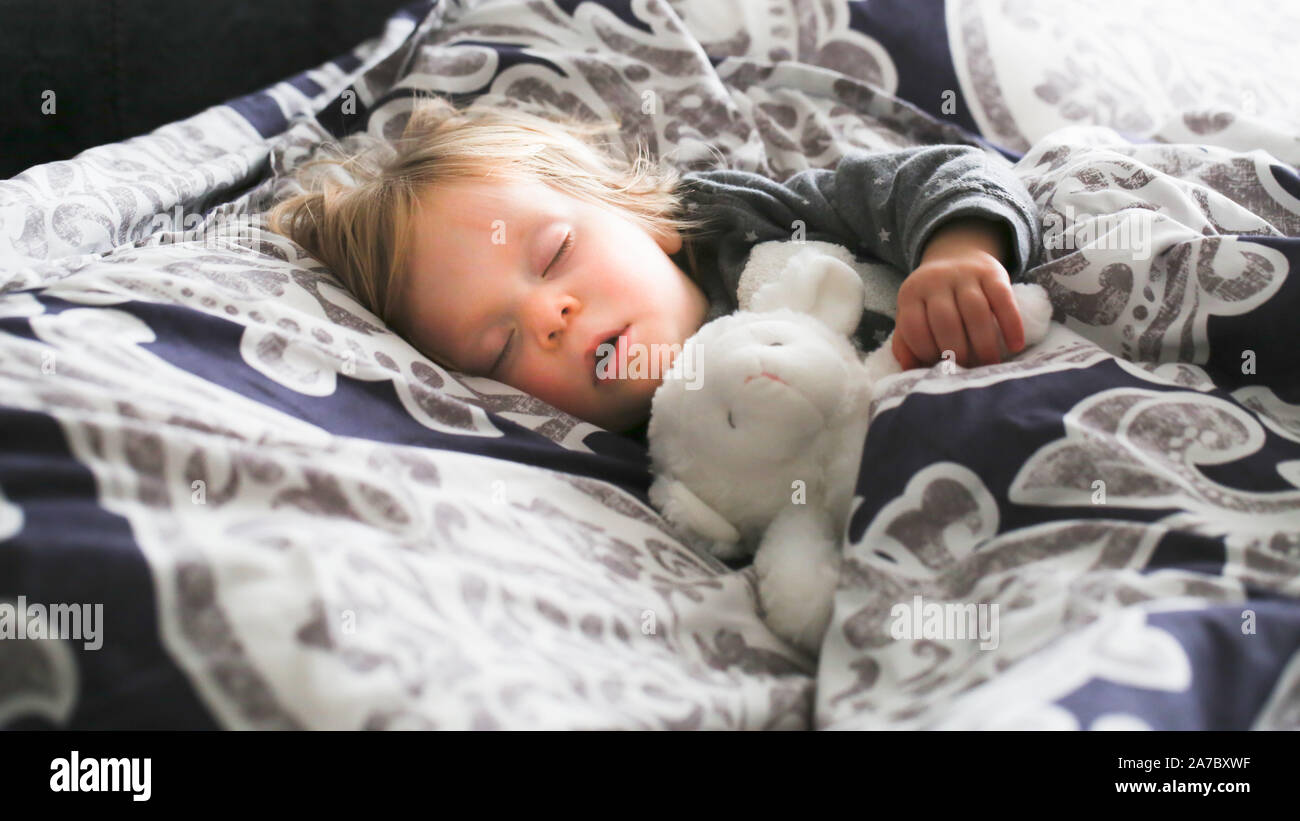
756,432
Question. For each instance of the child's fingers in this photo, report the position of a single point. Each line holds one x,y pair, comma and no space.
1003,302
914,329
981,327
906,359
946,326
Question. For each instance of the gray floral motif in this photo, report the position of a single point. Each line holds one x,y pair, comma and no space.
1141,274
811,33
1041,590
397,573
1143,448
1028,68
1074,594
38,678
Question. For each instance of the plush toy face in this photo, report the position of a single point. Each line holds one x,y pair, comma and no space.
764,385
754,398
741,410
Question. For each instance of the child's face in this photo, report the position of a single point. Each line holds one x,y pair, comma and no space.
483,270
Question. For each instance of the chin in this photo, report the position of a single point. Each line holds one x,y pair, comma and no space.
626,421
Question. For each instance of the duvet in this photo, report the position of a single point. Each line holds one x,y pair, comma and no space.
230,497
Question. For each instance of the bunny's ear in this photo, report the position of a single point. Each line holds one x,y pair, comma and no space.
816,283
682,507
840,294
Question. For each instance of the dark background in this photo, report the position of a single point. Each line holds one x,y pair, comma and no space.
120,68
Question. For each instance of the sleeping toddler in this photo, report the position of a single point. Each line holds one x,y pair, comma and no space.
526,249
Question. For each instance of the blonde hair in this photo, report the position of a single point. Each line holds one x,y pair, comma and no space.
359,195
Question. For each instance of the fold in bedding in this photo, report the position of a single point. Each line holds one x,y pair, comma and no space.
292,519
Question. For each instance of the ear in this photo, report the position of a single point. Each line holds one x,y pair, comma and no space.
669,240
682,507
820,285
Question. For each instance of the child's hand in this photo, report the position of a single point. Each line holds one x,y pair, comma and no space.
957,298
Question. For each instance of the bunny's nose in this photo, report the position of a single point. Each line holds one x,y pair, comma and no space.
769,375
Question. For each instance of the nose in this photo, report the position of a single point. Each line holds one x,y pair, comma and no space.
548,317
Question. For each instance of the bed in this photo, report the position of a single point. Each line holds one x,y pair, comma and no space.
272,512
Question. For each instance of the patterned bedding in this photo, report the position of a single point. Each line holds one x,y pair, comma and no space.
231,498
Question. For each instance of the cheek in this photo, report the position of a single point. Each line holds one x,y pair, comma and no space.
636,257
547,385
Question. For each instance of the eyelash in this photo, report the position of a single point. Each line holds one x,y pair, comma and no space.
559,257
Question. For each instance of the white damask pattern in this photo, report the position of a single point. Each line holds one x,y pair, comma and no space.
306,579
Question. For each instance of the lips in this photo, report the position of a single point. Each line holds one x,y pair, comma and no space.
619,338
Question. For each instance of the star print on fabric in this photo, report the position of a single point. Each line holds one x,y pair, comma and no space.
880,336
884,235
751,236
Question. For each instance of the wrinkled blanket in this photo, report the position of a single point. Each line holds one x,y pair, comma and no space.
1103,533
272,512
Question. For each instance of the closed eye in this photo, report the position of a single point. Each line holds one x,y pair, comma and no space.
559,255
502,356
